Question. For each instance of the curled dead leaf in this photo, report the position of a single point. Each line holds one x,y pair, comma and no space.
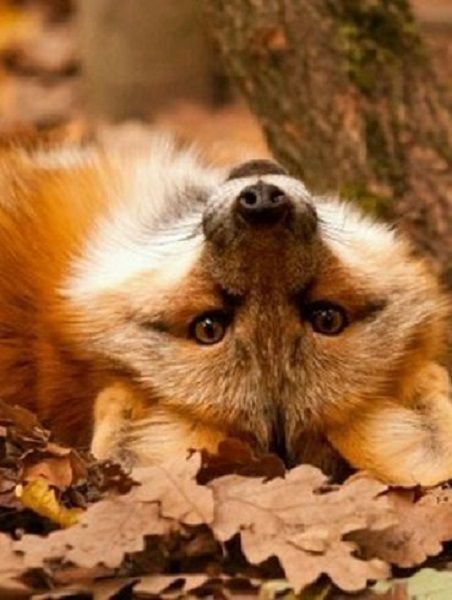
39,497
422,524
238,457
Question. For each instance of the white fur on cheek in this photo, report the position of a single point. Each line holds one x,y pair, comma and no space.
153,221
361,243
114,260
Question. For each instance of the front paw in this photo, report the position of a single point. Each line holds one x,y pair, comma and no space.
112,422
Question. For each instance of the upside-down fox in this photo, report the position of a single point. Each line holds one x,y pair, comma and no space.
150,304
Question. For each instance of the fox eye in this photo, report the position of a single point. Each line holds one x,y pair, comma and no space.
209,328
326,318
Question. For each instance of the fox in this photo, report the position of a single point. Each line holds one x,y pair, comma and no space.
152,303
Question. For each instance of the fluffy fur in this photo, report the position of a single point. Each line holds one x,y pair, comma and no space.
105,262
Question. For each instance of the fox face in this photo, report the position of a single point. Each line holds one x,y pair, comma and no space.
239,304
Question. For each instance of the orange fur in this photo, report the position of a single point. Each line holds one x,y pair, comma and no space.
44,217
108,358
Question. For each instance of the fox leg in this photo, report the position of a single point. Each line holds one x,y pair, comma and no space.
403,443
113,410
135,433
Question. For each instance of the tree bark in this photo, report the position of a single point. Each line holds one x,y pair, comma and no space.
349,101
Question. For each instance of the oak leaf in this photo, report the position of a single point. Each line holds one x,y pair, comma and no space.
11,568
173,485
422,525
28,454
237,456
185,585
156,585
111,528
104,534
304,525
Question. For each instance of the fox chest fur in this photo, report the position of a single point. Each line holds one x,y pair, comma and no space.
149,305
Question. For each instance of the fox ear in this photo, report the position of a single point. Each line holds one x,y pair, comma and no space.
404,442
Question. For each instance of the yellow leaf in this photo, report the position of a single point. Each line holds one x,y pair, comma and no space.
39,497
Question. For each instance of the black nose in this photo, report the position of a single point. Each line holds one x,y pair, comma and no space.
262,204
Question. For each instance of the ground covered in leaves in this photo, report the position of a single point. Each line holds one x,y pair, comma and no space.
231,525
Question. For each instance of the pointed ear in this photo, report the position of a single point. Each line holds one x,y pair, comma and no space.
404,442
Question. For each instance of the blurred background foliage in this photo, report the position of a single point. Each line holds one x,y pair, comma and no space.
81,65
80,62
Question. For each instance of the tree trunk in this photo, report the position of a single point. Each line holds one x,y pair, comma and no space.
349,101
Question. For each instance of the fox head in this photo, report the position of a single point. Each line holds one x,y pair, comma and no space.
239,303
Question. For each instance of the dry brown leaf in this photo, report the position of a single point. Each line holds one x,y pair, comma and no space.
349,532
302,525
61,467
110,589
183,585
420,529
236,456
27,455
112,528
174,486
22,424
8,498
105,533
156,585
55,470
71,576
11,567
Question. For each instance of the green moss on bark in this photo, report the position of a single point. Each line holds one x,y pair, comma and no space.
378,205
388,165
375,34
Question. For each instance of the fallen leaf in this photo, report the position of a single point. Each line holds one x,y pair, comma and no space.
156,585
168,495
235,456
108,476
11,568
56,471
27,454
184,585
111,589
21,425
8,498
103,535
39,497
303,526
173,485
421,526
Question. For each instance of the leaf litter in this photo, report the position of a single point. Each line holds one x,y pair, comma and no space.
228,525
